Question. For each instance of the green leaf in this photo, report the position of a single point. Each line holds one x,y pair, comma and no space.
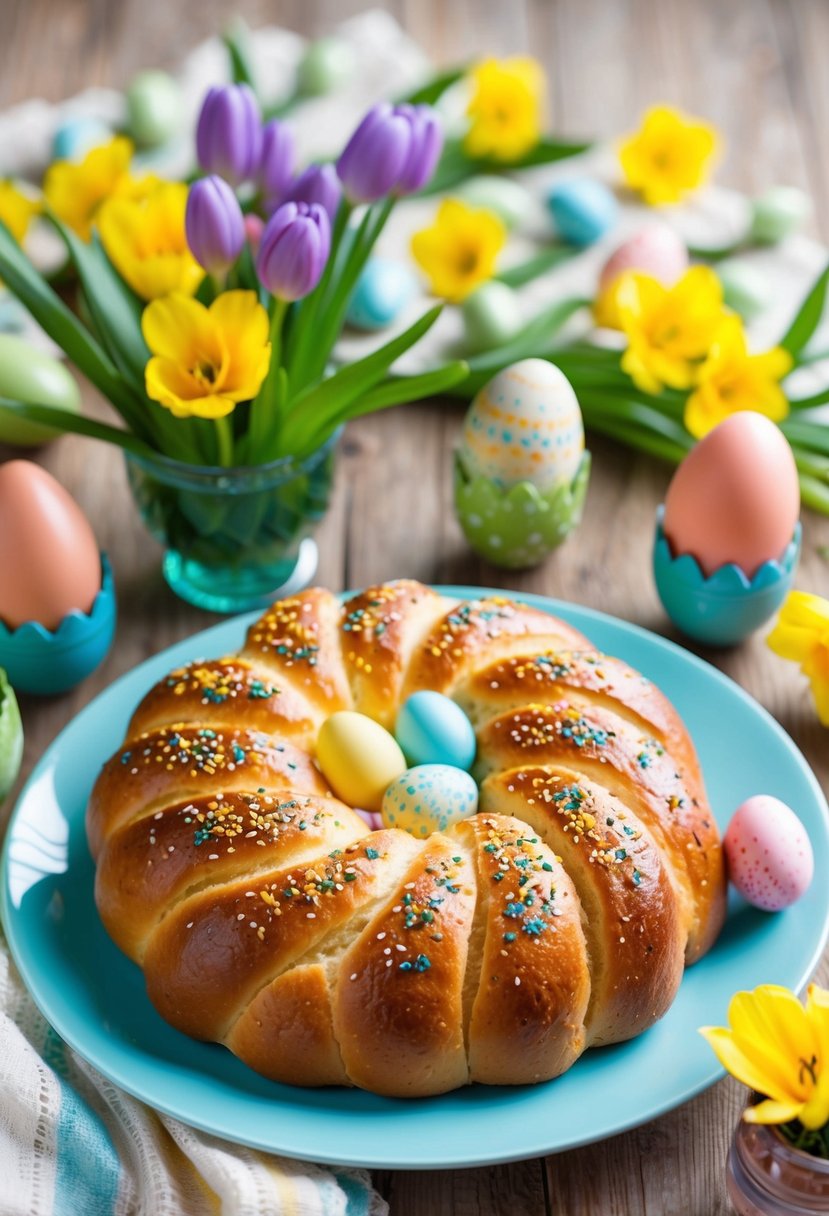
77,424
236,39
525,272
545,152
536,339
62,326
455,166
433,89
808,316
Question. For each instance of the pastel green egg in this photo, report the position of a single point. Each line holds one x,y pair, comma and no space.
429,798
153,108
510,201
491,316
358,758
745,288
34,378
433,729
777,213
328,63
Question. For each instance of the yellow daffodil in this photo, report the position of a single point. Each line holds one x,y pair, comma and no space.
74,192
779,1049
459,251
669,329
802,634
205,360
146,242
669,156
505,109
731,379
16,210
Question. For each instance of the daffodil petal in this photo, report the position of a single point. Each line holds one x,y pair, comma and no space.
773,1112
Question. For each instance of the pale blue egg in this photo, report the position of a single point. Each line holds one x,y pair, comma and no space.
432,729
383,290
74,137
429,798
583,210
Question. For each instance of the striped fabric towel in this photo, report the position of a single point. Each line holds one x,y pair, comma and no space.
71,1144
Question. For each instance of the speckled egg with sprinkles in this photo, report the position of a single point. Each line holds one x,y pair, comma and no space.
429,798
524,425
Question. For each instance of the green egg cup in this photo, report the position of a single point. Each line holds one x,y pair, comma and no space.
517,528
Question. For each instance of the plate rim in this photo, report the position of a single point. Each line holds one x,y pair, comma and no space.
487,1157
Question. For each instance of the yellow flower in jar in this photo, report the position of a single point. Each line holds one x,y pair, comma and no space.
146,241
75,192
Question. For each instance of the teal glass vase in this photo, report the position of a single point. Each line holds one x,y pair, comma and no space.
234,538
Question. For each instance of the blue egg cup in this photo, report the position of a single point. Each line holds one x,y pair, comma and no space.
727,606
43,661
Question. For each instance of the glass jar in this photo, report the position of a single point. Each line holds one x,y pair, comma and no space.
234,538
767,1176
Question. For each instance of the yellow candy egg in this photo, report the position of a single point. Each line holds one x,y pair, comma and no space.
358,758
524,425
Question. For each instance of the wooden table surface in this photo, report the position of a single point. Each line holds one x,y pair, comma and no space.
754,67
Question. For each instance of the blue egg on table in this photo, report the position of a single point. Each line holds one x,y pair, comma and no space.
74,137
429,798
383,290
583,210
432,729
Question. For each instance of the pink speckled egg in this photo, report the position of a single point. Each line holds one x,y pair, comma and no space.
769,855
655,249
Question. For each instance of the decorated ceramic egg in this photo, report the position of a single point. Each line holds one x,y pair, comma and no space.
769,854
491,316
153,108
33,377
511,202
358,758
735,498
429,798
433,729
583,210
383,290
524,425
48,550
656,249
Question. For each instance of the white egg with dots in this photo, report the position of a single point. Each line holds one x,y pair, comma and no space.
429,798
524,425
769,854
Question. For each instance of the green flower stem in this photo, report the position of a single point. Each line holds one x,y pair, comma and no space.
224,434
809,403
303,328
265,408
814,493
533,268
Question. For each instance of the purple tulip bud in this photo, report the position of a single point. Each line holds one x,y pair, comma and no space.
394,149
317,184
294,249
425,149
229,133
214,224
276,166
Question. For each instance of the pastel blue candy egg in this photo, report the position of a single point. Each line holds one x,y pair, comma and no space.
429,798
583,210
383,290
74,137
432,729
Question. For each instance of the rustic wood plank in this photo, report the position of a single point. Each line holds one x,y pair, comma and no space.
755,67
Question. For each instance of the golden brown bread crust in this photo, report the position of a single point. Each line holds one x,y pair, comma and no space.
268,918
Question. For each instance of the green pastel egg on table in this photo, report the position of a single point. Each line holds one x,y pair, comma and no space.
491,316
31,376
777,213
11,736
328,64
429,798
153,108
358,758
583,210
383,290
511,202
74,137
746,289
433,729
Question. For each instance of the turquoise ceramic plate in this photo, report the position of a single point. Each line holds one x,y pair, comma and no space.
95,998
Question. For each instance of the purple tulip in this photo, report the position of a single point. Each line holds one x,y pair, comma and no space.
276,166
317,184
394,149
214,224
229,133
294,249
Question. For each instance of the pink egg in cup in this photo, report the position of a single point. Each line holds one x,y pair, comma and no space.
769,854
